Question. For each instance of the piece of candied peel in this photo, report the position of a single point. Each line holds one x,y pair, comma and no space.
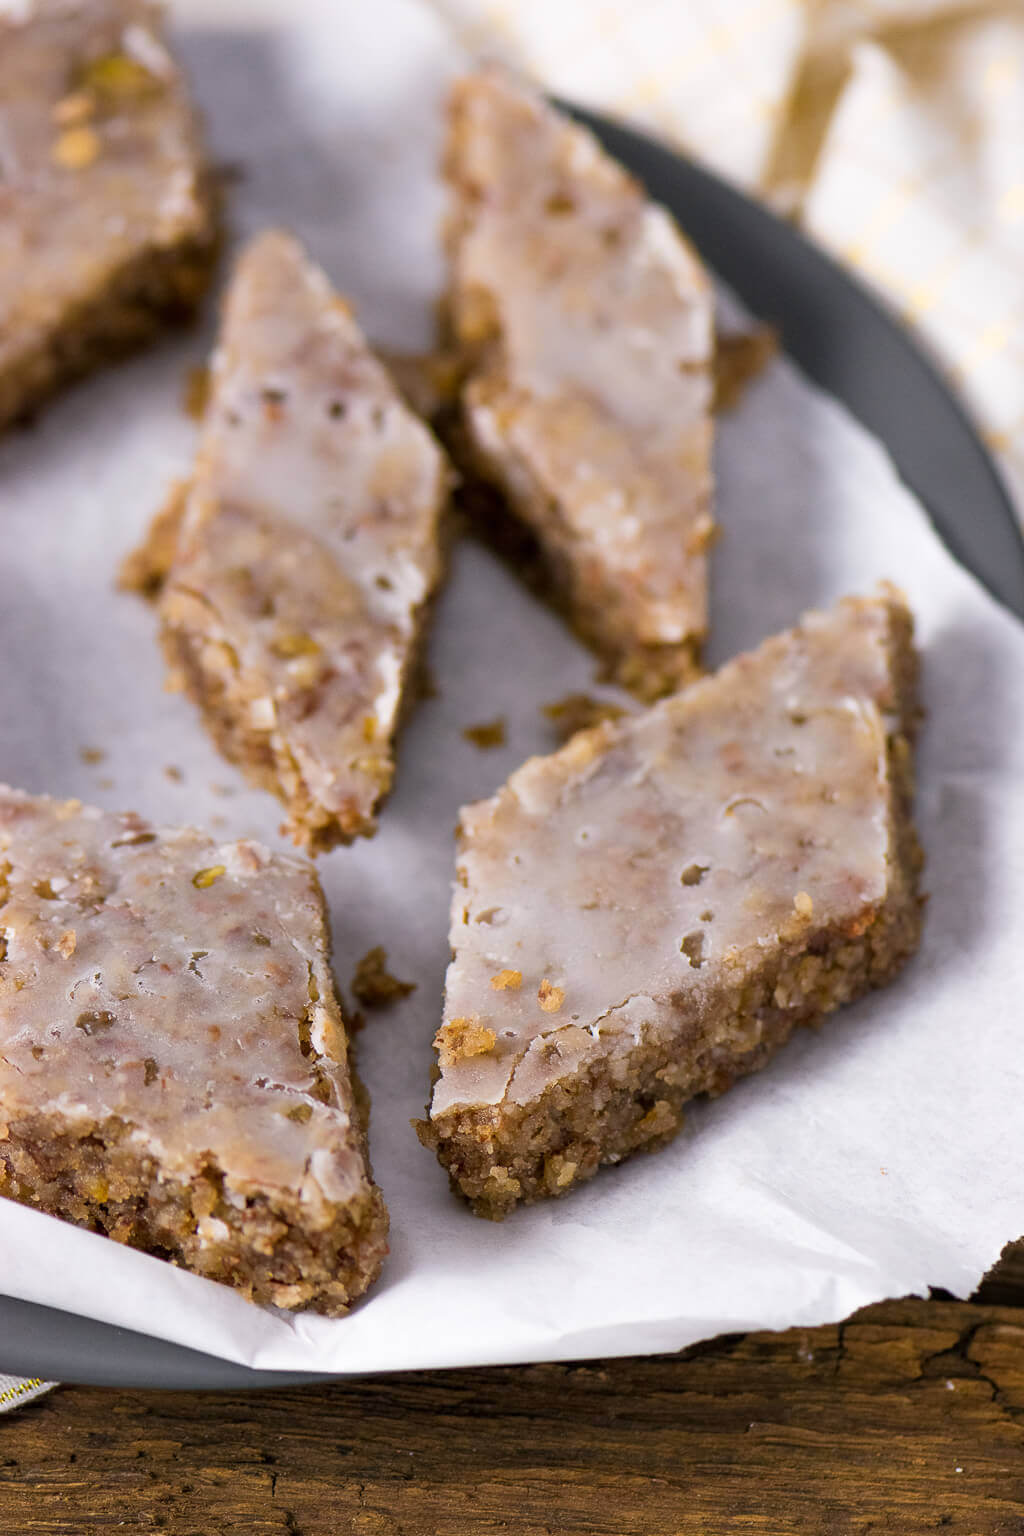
461,1038
373,985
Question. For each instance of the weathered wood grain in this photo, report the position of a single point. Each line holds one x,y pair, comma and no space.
907,1418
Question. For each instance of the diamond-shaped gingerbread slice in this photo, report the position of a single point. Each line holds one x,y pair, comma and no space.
648,914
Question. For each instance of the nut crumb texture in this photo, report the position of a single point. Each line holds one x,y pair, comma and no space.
174,1068
649,913
373,984
108,226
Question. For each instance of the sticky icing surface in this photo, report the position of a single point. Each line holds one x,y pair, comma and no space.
171,982
620,878
591,320
310,541
98,158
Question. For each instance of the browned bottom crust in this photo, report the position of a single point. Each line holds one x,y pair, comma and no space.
501,1156
265,1246
157,290
648,671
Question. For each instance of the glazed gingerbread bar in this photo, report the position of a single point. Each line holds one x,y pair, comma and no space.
295,571
107,227
647,914
583,322
173,1060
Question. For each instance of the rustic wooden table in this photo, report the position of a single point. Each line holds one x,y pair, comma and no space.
907,1418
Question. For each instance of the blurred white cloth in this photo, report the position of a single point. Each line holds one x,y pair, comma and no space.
892,129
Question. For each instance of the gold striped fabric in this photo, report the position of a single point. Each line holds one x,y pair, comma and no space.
15,1391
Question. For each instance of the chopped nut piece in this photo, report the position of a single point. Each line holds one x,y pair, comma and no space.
67,942
262,714
550,997
461,1038
803,904
373,985
76,148
490,733
118,78
507,981
290,643
91,1023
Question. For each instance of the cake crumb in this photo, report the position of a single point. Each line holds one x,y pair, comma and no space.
196,391
92,755
373,984
427,683
550,997
460,1038
507,981
174,773
489,733
579,711
739,359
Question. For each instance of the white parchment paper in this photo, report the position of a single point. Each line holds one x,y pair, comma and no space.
875,1158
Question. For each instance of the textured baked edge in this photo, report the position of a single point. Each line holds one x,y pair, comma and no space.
647,670
310,825
500,1156
98,1175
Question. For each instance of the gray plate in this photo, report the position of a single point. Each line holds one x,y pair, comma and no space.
845,341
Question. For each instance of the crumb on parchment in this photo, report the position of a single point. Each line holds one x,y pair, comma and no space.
578,712
489,733
739,359
195,391
373,985
92,755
